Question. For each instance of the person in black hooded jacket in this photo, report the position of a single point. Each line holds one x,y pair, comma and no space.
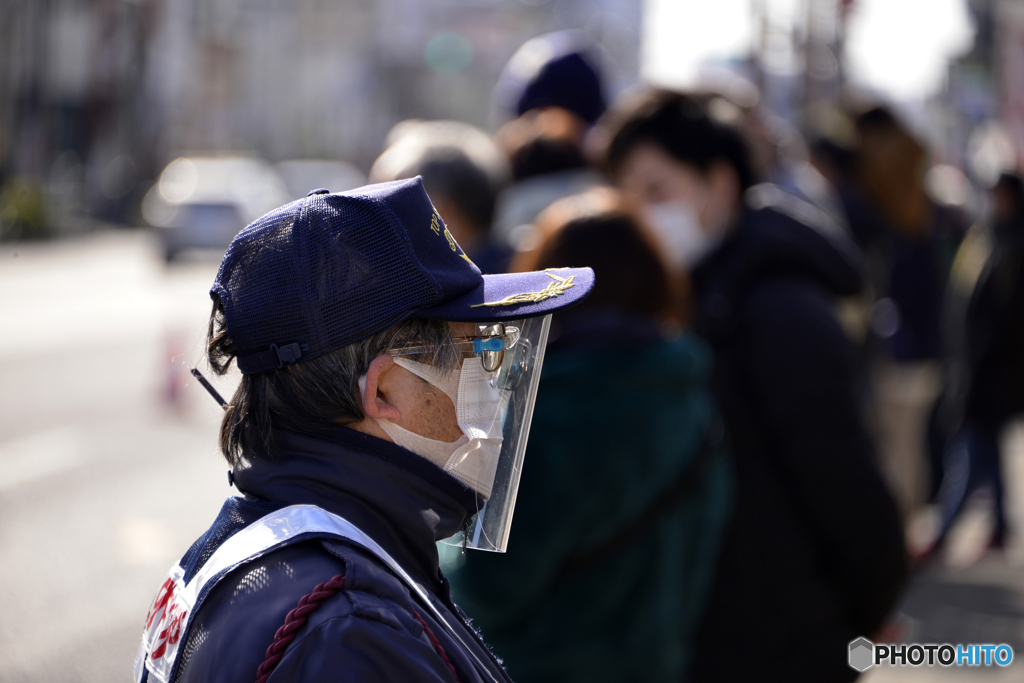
814,554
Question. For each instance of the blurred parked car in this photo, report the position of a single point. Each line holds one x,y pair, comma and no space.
302,176
201,202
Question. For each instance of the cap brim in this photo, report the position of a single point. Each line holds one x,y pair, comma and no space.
516,295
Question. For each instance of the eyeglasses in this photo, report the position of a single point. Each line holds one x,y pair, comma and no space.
491,345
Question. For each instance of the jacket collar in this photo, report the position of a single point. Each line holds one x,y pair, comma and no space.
400,499
778,234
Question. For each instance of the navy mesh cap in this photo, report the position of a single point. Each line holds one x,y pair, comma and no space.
330,270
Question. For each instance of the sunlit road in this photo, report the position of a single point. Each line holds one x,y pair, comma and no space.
108,465
109,469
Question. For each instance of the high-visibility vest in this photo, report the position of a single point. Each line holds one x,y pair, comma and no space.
176,602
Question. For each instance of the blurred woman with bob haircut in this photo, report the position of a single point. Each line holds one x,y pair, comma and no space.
624,498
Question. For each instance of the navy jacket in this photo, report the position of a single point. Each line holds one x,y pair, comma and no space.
813,556
367,632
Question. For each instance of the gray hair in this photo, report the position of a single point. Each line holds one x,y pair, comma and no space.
311,396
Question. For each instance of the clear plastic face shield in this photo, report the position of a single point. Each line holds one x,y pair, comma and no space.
497,388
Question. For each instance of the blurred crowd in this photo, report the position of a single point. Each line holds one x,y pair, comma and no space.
795,347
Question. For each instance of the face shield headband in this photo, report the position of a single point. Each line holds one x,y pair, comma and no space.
494,398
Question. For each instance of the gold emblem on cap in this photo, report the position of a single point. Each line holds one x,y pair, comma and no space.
435,225
556,288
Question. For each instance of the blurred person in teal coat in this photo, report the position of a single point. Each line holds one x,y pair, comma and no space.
625,488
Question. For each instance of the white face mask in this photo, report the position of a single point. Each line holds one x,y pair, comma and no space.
479,410
677,225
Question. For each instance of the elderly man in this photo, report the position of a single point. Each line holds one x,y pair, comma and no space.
387,388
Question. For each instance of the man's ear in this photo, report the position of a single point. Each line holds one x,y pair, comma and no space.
375,399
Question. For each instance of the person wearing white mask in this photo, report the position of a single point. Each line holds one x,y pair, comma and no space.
386,395
690,185
691,210
814,554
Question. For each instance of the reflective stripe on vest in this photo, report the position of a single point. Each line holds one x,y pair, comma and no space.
175,603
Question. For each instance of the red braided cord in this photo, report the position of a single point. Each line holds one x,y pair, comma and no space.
437,645
293,622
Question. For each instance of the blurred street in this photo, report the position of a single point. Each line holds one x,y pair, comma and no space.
109,468
108,461
980,604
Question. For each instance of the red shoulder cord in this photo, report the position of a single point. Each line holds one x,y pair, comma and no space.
295,619
437,645
307,605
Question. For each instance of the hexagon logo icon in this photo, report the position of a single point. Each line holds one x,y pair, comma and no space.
862,654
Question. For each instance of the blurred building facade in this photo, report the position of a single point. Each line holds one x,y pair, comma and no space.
97,95
982,126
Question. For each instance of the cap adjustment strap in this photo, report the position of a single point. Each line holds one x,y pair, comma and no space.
274,358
